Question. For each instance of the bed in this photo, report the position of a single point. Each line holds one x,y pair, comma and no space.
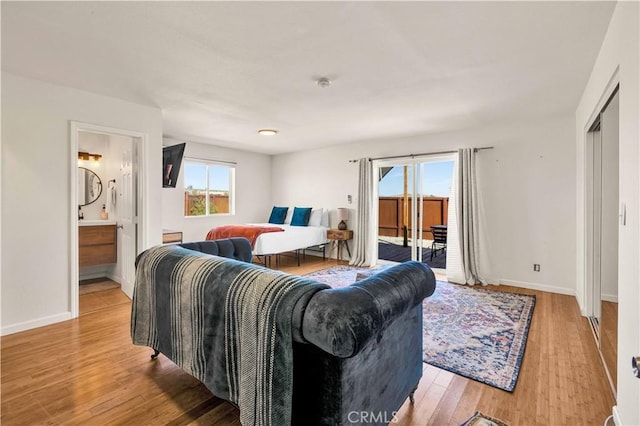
296,239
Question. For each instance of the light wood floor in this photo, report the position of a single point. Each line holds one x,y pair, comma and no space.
86,371
100,293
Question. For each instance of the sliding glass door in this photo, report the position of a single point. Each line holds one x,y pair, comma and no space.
396,210
411,197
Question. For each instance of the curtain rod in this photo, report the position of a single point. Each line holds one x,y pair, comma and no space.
420,155
188,157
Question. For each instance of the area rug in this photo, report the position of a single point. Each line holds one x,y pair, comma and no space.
477,333
479,419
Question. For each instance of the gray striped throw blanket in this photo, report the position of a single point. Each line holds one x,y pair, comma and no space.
227,323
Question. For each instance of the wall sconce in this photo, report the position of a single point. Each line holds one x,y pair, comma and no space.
85,156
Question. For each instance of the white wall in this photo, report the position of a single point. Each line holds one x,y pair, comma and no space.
620,50
252,191
527,184
36,191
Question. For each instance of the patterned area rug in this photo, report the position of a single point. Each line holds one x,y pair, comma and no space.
477,333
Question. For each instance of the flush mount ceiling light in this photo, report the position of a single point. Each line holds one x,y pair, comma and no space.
323,82
267,132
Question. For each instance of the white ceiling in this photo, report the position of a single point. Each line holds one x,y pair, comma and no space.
222,70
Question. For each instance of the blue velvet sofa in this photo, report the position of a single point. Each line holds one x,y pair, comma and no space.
356,350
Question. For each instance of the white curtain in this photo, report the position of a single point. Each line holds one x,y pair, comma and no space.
362,236
464,240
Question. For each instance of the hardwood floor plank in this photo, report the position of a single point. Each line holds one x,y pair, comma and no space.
408,414
448,404
87,371
609,338
468,401
24,411
97,284
224,414
196,412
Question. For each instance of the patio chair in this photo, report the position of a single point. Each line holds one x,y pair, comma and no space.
439,233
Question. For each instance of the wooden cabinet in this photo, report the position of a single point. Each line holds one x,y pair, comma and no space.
340,234
171,237
339,238
97,245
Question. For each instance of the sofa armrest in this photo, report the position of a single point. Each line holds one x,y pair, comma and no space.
342,321
233,248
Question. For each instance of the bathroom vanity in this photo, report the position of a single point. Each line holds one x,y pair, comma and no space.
97,242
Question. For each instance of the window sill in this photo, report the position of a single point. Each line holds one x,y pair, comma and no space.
209,216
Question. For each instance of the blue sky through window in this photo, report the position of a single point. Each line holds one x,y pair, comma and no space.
436,180
195,177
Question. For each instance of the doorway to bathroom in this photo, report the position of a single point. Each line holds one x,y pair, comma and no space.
106,214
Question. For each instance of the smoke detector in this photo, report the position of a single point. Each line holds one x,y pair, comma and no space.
323,82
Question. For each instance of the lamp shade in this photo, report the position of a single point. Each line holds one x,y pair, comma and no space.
343,214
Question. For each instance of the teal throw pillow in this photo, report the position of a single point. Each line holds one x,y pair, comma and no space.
278,214
301,216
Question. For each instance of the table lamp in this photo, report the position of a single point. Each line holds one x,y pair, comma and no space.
343,214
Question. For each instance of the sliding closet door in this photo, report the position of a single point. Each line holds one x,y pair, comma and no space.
602,198
609,129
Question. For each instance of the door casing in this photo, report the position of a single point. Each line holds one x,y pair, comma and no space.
75,128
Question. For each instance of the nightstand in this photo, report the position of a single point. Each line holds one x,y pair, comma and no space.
338,238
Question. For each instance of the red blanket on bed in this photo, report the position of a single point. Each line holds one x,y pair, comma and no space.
251,232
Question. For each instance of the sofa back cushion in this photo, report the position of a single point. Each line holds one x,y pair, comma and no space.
342,321
232,248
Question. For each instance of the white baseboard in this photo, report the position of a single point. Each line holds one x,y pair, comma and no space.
541,287
40,322
91,276
334,255
127,290
114,277
101,274
91,272
610,298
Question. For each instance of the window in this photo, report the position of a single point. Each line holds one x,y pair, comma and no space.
208,188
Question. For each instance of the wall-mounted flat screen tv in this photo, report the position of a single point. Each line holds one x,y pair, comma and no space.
171,162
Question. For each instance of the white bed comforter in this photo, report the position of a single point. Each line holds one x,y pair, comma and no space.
293,237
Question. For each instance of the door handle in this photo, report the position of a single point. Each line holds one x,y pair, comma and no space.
635,365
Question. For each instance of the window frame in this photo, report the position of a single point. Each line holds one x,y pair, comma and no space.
232,185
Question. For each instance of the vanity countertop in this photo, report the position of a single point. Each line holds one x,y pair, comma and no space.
95,222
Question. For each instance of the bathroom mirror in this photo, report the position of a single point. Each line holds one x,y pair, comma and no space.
89,186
